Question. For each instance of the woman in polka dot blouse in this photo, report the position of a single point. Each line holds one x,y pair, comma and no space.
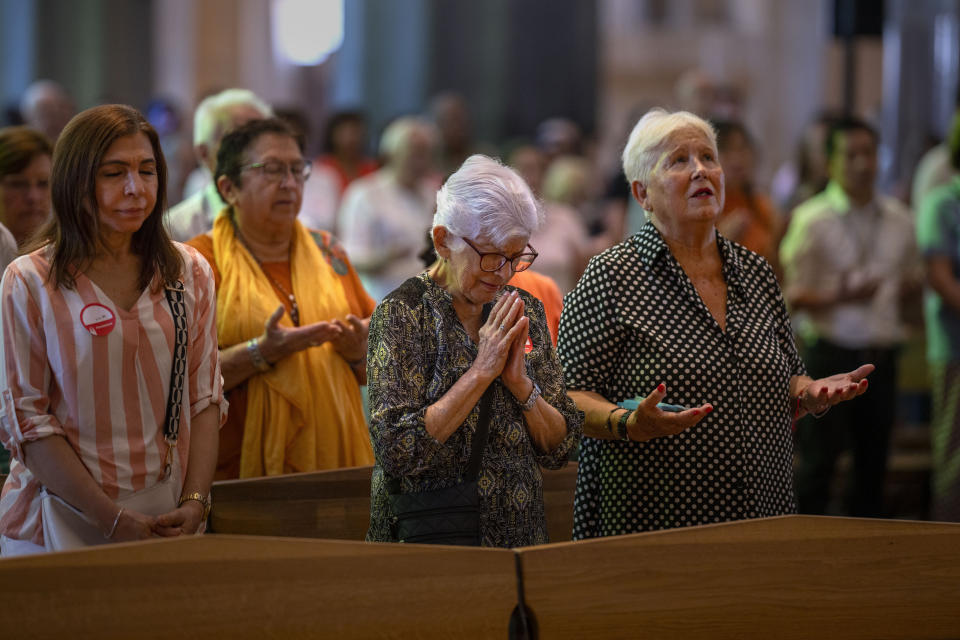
678,314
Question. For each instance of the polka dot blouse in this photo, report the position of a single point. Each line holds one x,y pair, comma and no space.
635,320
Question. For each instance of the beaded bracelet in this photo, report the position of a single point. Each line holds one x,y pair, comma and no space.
256,356
609,424
622,426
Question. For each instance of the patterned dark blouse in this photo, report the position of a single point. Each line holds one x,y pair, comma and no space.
635,320
418,350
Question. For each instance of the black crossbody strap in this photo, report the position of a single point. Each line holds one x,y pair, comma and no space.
480,435
482,431
171,423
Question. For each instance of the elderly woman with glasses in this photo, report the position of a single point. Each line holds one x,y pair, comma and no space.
454,333
292,317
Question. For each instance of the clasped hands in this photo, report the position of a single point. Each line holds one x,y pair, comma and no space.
349,337
133,525
501,350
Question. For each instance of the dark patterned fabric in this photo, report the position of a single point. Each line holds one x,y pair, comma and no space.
634,321
418,350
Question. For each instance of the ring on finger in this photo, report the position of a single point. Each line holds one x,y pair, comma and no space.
501,326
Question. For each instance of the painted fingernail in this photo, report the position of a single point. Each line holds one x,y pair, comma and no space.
709,409
823,389
696,412
661,388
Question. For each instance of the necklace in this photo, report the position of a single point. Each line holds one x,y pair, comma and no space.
294,307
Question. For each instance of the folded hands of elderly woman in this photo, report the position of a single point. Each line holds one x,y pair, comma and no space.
502,338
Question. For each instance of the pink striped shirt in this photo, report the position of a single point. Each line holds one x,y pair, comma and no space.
106,394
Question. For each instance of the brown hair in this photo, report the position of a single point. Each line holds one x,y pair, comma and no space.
74,231
19,146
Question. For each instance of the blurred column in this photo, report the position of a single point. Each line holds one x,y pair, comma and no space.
921,52
16,49
383,64
98,49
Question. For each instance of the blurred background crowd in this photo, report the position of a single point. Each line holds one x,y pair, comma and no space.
390,96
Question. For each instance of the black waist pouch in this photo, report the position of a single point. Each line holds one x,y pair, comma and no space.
442,516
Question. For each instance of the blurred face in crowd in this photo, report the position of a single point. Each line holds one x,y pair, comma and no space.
453,120
270,190
686,186
853,164
25,198
126,185
414,159
349,139
737,159
50,112
236,116
531,164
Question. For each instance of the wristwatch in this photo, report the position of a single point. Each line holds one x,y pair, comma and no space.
199,497
532,398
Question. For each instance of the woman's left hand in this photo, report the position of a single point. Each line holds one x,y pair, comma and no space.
820,395
185,519
352,341
514,375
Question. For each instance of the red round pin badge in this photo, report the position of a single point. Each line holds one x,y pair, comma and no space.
527,348
97,319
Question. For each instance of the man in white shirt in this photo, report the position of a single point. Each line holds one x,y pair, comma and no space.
385,215
216,116
849,258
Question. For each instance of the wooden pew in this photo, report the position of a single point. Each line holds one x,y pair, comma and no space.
259,587
787,577
325,504
336,504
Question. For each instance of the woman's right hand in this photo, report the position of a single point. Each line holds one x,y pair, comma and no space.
133,525
497,334
648,422
279,342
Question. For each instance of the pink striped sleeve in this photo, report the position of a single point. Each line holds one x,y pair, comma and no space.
24,376
206,383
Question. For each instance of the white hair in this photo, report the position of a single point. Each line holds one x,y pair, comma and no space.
210,119
650,136
485,199
39,91
398,133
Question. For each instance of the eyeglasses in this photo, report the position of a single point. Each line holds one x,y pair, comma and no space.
495,261
276,171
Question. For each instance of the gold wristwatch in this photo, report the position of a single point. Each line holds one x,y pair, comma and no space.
199,497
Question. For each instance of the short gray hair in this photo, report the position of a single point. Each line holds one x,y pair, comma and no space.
209,120
485,199
398,132
650,135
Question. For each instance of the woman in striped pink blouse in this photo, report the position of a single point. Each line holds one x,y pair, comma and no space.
88,341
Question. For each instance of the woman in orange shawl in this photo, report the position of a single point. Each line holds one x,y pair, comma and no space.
292,317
